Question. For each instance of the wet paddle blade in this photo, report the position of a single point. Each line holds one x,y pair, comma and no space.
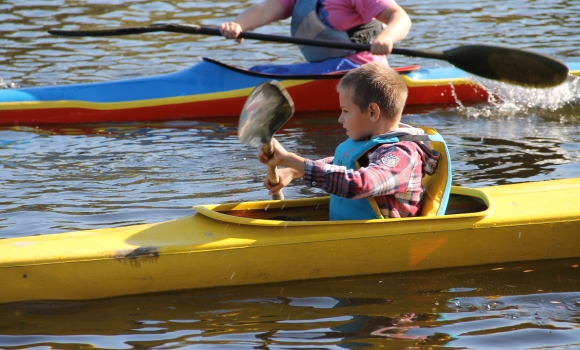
507,65
267,108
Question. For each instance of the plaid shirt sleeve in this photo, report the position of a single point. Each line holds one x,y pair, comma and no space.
390,169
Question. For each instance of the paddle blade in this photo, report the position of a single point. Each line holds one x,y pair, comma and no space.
267,108
511,66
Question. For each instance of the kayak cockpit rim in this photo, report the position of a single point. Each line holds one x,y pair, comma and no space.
238,213
333,75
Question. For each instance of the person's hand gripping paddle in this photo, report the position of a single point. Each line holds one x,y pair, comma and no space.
267,108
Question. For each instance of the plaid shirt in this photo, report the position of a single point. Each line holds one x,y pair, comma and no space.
391,173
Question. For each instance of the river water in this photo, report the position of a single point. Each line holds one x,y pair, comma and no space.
56,179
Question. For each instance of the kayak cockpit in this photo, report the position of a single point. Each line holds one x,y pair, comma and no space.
463,202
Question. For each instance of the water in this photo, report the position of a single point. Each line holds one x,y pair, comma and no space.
56,179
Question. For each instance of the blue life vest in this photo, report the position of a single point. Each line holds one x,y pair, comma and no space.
347,154
305,23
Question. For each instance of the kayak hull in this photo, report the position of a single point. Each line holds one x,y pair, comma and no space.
211,89
205,90
234,244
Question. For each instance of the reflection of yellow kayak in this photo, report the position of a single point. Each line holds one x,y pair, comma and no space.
234,244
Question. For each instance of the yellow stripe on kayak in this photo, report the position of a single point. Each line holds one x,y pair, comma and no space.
453,81
104,106
435,82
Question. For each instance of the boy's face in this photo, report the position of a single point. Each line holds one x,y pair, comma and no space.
358,124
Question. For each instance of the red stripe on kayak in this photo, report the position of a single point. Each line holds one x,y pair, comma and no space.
326,99
446,94
192,110
317,95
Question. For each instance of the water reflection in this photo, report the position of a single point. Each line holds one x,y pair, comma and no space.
483,307
510,161
30,56
75,177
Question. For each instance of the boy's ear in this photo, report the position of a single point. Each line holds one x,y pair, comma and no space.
374,111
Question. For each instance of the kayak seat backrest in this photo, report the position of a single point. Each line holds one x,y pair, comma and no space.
437,186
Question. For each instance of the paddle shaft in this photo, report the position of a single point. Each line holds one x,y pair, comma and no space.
508,65
273,177
195,29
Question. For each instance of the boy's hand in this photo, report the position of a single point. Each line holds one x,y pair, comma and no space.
285,176
278,156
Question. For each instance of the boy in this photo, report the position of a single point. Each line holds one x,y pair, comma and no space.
377,171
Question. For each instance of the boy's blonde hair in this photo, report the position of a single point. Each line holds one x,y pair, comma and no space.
378,83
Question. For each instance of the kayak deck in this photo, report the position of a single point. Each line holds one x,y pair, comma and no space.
306,211
237,244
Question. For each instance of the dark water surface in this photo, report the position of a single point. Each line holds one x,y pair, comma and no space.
57,179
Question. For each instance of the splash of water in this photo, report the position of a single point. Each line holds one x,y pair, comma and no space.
561,102
7,84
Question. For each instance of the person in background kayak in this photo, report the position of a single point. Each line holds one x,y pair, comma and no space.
377,171
359,21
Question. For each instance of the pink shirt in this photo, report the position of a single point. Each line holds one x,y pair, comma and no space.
345,14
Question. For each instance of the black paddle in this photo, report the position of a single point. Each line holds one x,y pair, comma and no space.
508,65
267,108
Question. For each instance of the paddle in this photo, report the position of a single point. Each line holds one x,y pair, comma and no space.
508,65
267,108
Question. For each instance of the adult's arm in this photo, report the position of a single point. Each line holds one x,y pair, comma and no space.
257,15
398,26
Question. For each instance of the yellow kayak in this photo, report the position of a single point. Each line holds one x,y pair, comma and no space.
240,244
